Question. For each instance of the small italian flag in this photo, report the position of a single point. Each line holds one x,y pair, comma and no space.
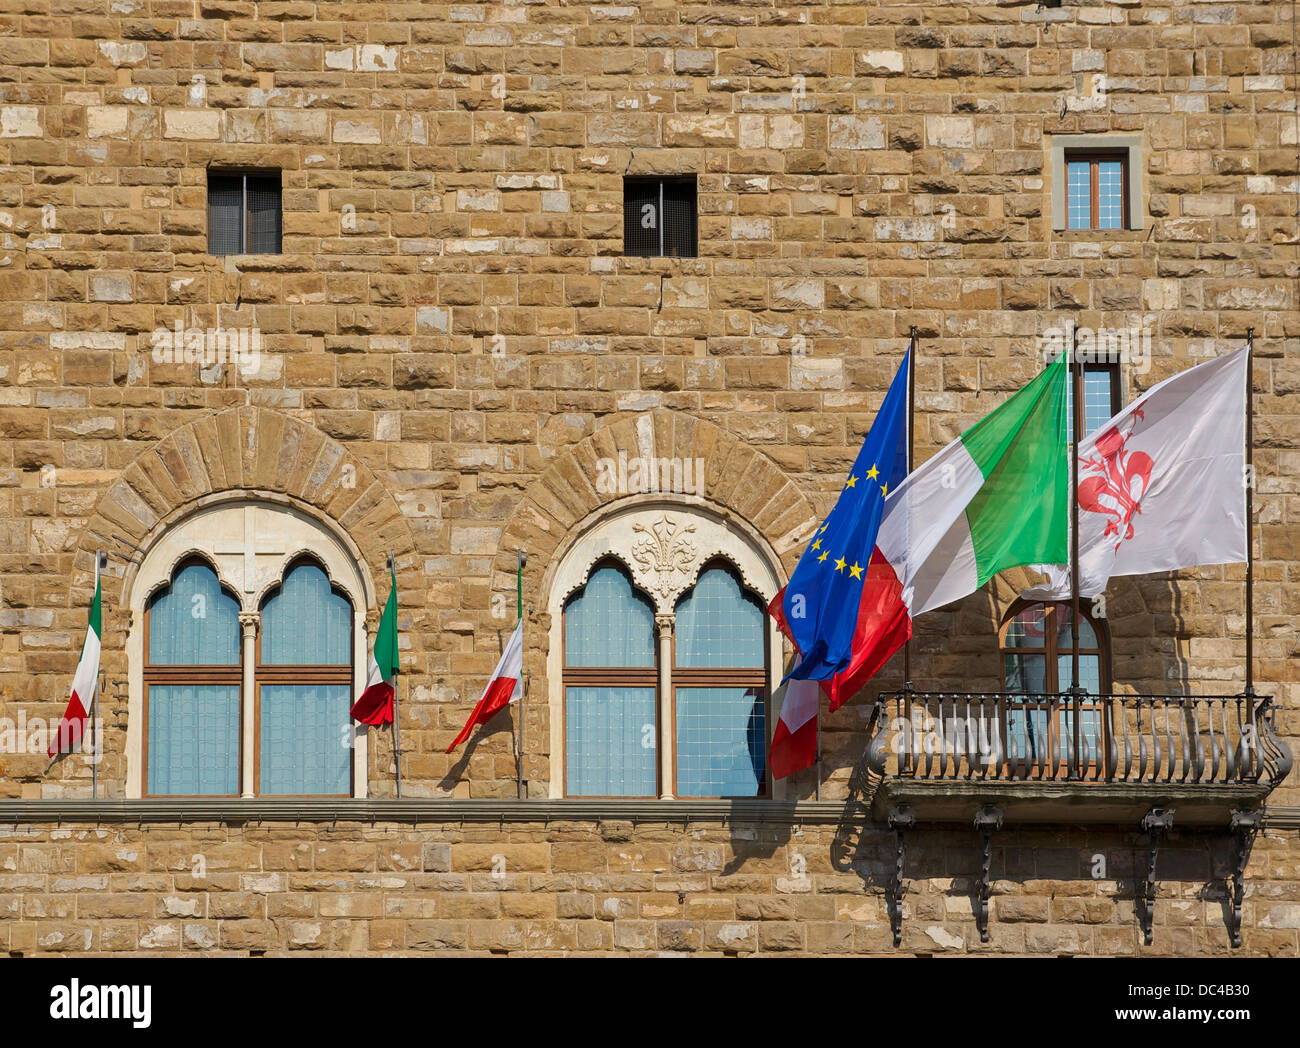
85,682
375,706
503,689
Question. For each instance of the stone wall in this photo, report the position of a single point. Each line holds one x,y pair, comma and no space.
452,336
617,887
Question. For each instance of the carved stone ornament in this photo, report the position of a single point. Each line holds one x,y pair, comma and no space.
666,559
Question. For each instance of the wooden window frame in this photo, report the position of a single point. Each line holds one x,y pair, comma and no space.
180,675
234,675
283,673
609,677
749,677
1050,766
1094,158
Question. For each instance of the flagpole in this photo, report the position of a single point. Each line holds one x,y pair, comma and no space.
1076,428
397,731
101,562
911,415
521,559
1250,513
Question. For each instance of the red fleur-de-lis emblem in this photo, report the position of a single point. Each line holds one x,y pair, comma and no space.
1116,479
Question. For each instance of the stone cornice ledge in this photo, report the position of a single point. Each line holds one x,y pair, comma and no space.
455,810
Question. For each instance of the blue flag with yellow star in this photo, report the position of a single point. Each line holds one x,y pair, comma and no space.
820,603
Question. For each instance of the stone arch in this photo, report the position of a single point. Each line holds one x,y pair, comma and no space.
742,488
253,451
740,484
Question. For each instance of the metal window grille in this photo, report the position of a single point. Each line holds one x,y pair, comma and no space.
659,217
244,213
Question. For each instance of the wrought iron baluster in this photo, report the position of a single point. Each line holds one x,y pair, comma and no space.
1183,743
1169,744
1198,760
1215,753
1142,743
1108,729
1128,748
1230,769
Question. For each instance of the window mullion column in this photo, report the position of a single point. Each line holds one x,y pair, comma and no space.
667,713
248,623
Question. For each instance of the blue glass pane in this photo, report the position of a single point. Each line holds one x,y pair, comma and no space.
1026,674
1079,190
610,742
1110,194
306,738
306,623
1089,672
609,623
1097,386
194,622
193,738
721,742
717,626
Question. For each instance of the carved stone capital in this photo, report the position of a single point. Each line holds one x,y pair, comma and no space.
249,622
664,623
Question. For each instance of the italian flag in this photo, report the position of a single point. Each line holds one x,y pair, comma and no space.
996,498
375,706
85,682
502,689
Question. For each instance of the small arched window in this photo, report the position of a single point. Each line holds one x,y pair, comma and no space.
192,680
610,688
303,682
720,689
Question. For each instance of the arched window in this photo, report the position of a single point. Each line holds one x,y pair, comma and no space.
245,651
1037,643
303,680
614,686
610,689
720,689
192,685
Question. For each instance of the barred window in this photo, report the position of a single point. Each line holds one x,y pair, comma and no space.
659,216
244,213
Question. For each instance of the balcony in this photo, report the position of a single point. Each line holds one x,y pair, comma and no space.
1133,761
1073,757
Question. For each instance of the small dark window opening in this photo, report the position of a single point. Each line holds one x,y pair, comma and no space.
1096,190
244,212
659,216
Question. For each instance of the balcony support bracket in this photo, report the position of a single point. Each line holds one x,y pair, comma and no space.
1244,825
901,819
1155,823
987,820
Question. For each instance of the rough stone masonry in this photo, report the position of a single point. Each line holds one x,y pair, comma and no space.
452,337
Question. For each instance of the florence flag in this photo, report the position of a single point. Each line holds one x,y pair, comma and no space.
84,684
1161,484
995,498
375,706
504,688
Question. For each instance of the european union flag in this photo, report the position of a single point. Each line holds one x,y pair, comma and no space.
820,606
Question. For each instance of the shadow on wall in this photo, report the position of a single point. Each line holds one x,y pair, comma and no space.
1063,879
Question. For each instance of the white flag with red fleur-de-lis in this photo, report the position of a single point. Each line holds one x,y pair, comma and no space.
1162,484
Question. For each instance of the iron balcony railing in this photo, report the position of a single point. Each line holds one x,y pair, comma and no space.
1077,737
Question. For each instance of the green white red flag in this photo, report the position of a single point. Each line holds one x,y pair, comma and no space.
376,704
85,682
502,689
